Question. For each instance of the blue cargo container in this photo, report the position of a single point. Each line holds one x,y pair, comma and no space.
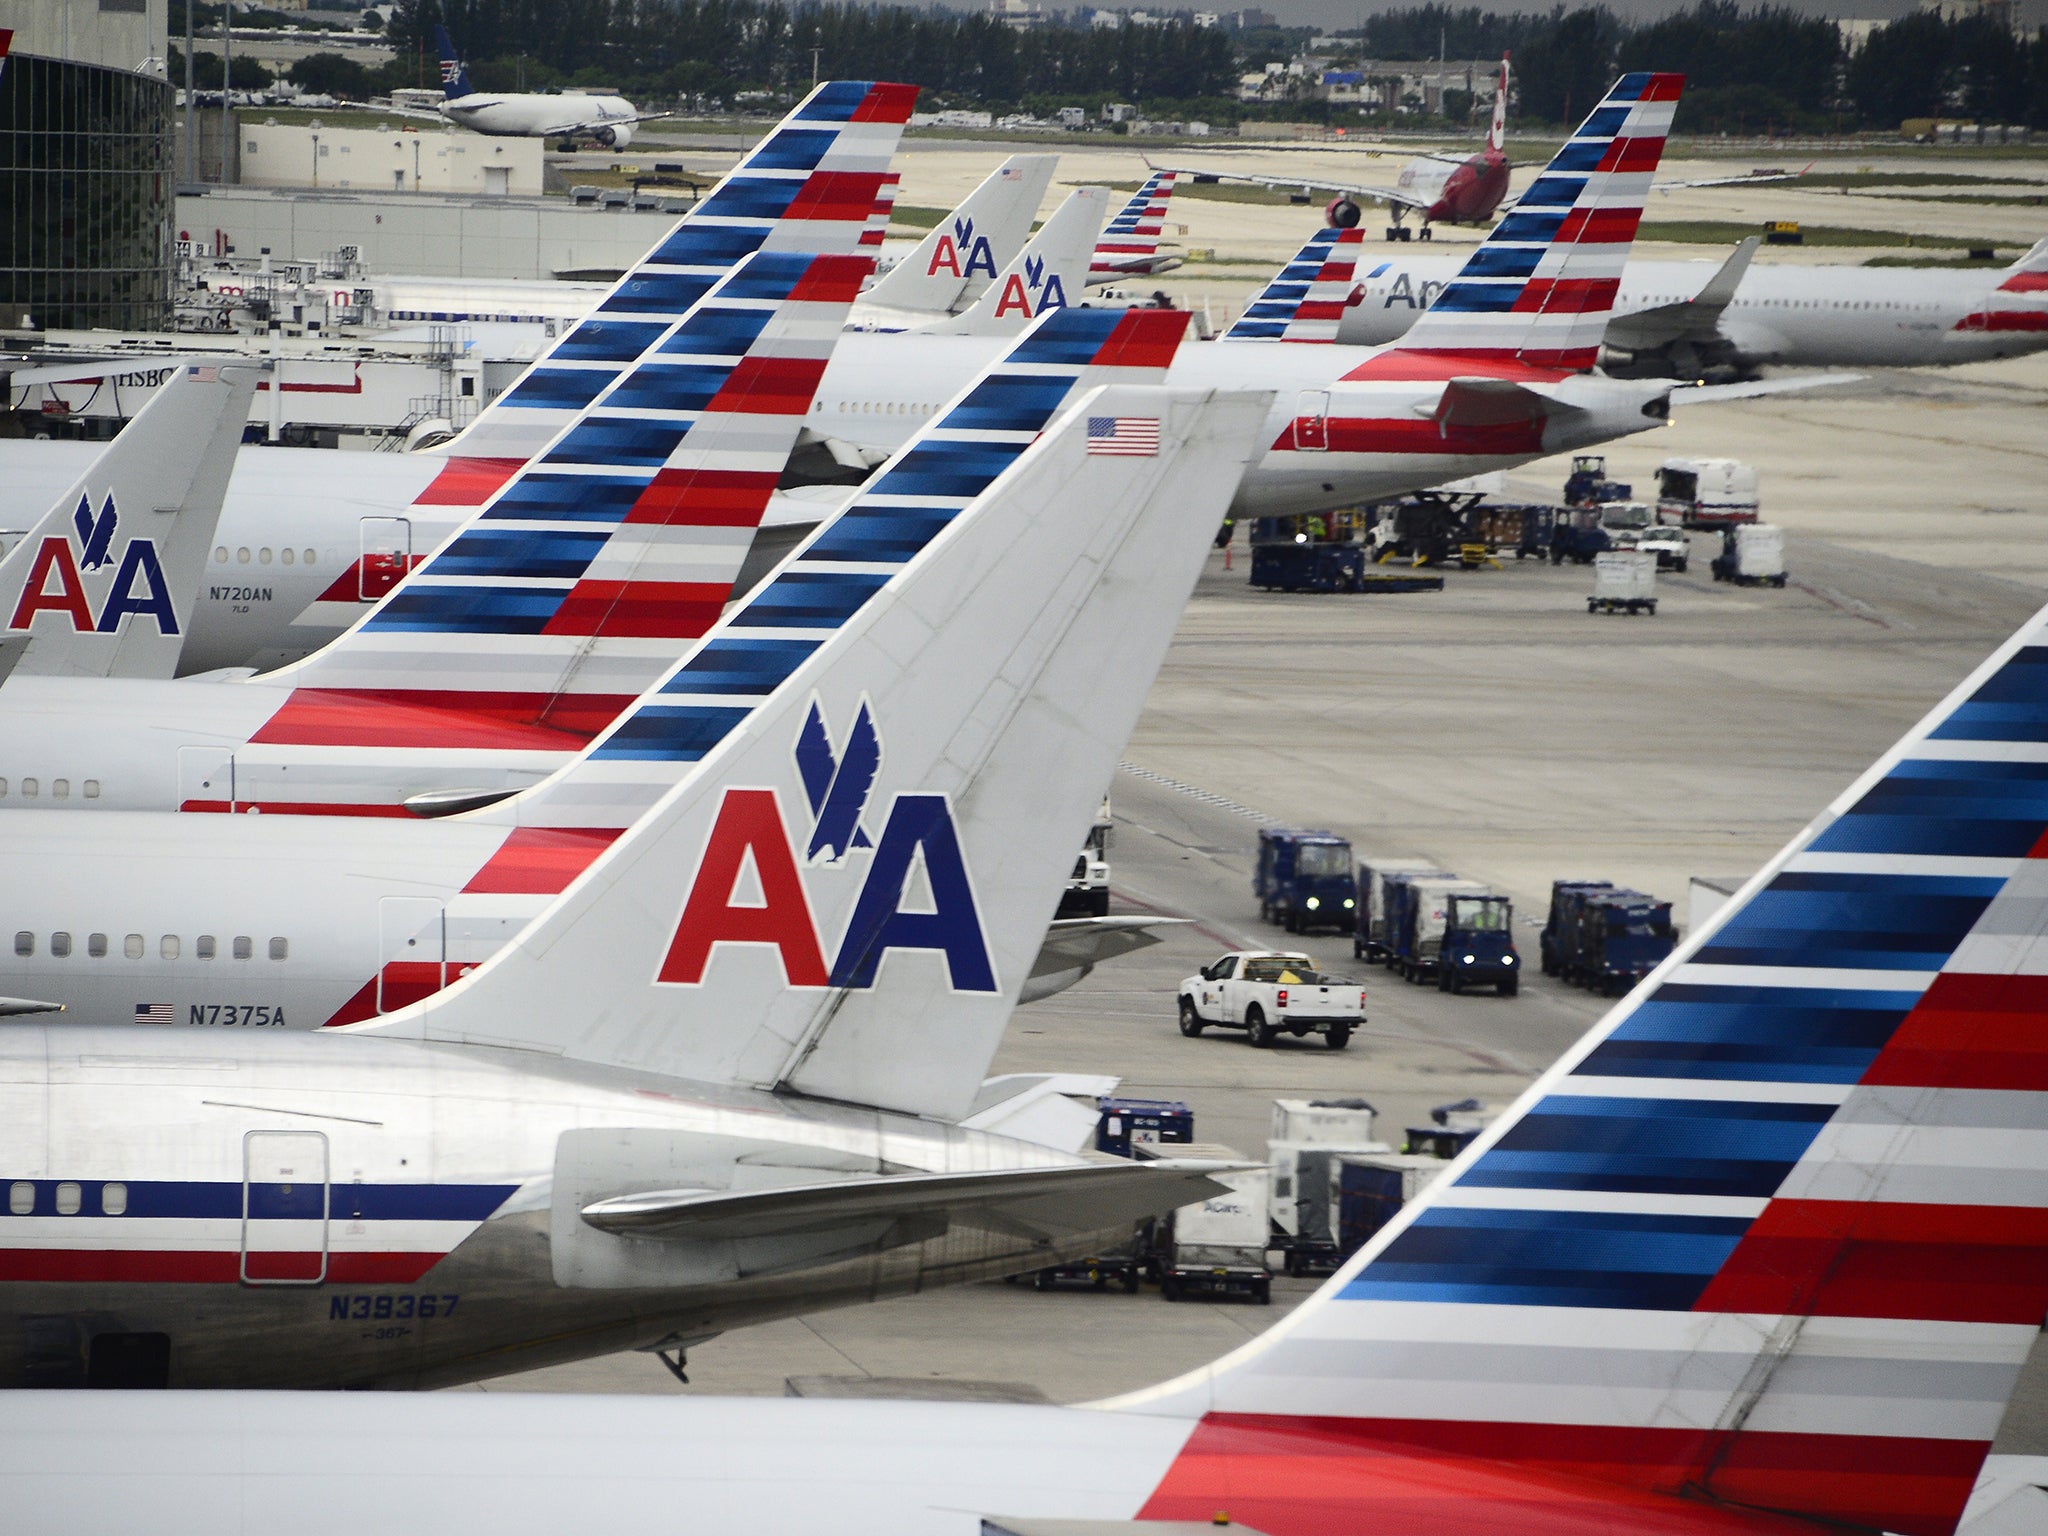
1142,1120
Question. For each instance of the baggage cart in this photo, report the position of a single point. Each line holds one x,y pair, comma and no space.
1219,1246
1624,581
1130,1123
1752,555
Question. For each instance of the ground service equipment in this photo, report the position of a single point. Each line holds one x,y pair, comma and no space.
1268,994
1624,581
1615,939
1304,567
1372,1187
1706,493
1565,896
1087,892
1304,880
1752,555
1130,1123
1578,535
1588,485
1478,947
1418,912
1369,936
1310,1138
1219,1247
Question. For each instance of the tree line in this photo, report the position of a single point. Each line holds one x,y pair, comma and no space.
1763,69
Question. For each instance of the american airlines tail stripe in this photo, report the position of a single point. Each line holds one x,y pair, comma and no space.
1798,1185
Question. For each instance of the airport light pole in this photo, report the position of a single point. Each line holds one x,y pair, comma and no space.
191,128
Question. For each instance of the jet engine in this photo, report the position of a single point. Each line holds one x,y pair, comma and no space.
613,135
1343,213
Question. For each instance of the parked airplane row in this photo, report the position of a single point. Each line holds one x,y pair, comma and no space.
1762,1254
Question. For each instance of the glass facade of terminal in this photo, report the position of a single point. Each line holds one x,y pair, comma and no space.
85,196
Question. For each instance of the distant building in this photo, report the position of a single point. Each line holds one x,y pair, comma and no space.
1254,18
1855,31
1207,19
1020,15
388,160
86,166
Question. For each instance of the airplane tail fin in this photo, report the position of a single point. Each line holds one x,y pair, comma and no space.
1050,273
454,75
103,585
1307,300
1497,132
1133,234
1540,288
969,248
2030,273
578,583
1774,1234
846,898
810,185
876,230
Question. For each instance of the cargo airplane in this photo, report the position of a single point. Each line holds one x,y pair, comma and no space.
716,1081
610,120
1763,1254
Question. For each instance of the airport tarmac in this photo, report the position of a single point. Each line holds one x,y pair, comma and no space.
1496,728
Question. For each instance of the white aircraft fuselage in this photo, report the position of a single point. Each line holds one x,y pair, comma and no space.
534,115
331,1211
1816,317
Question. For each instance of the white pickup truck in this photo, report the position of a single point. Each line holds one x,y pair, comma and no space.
1270,993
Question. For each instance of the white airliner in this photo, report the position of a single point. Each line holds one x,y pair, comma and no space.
1691,319
1763,1254
105,583
610,120
715,1082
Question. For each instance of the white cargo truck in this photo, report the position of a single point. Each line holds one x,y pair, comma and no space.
1219,1246
1309,1136
1370,941
1752,556
1624,581
1706,493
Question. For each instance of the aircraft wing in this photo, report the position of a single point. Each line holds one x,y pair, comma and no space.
1079,941
1695,319
1037,1202
425,114
595,123
1308,184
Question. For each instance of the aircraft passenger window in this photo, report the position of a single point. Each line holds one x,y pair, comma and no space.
24,943
131,946
60,945
3,789
96,945
92,789
280,949
21,1197
60,789
167,946
263,555
242,555
203,948
29,788
113,1199
311,556
220,554
287,555
245,947
69,1198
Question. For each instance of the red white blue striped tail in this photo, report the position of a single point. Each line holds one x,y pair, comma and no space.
1135,231
876,230
1773,1236
581,580
811,185
1540,288
1307,300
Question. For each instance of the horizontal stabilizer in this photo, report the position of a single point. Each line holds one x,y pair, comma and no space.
1072,941
1480,402
1035,1202
1695,319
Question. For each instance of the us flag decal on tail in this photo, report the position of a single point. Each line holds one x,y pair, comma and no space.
1132,437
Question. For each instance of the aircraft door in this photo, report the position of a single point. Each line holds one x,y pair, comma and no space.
385,555
284,1208
412,950
1312,421
206,779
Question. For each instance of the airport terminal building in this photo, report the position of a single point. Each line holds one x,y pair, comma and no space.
86,169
